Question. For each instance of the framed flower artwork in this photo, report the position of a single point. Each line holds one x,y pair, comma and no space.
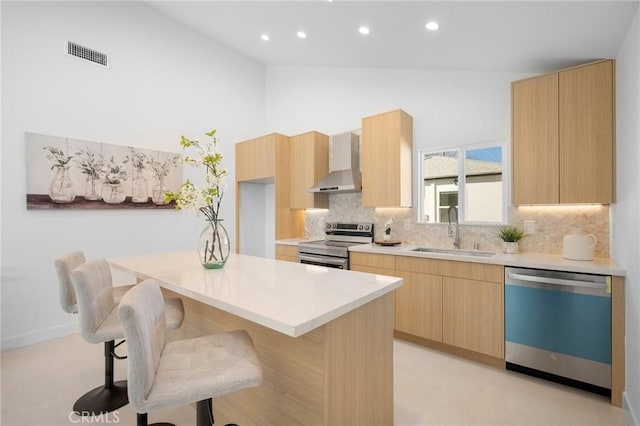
66,173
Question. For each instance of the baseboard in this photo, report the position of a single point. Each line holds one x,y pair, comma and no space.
629,410
38,336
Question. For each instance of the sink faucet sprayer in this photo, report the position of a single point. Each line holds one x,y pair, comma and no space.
456,240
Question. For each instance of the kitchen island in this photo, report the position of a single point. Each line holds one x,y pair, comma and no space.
324,336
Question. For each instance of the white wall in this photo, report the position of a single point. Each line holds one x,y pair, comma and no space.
626,231
257,219
449,108
165,80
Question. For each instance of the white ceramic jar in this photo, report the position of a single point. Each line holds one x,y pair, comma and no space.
578,246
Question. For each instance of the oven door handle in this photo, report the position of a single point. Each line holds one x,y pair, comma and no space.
330,261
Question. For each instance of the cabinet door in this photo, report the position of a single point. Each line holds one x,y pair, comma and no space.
586,134
473,315
309,162
288,253
255,159
419,305
535,140
387,141
379,261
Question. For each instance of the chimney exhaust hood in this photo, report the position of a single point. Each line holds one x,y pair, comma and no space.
344,166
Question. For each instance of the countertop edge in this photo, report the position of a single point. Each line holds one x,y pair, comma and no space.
294,241
526,260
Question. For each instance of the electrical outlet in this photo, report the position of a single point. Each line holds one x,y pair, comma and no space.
407,224
529,227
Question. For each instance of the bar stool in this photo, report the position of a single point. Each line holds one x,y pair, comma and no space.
64,265
93,290
163,374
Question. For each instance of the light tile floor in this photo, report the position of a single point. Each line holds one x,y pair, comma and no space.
41,382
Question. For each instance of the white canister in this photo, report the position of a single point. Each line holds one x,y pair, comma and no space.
578,246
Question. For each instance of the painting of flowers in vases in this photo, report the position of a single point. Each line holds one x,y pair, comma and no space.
66,173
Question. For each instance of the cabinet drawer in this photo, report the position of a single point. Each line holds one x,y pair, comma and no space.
384,261
289,253
420,265
451,268
374,270
472,271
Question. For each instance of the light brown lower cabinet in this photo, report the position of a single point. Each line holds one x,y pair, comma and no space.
419,305
288,253
452,304
473,315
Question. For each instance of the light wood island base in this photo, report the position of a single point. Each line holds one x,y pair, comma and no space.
338,374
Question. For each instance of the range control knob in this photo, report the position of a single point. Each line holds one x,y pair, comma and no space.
359,227
328,226
366,227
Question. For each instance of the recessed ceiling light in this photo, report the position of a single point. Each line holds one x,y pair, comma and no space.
265,37
432,26
301,34
364,30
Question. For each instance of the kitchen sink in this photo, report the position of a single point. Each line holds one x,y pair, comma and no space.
473,253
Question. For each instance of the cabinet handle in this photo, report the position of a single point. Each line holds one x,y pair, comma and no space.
556,281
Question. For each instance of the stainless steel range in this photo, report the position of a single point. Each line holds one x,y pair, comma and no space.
333,251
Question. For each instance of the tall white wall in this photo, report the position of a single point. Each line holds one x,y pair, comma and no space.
164,80
626,231
448,107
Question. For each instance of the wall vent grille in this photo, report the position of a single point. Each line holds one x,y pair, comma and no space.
85,53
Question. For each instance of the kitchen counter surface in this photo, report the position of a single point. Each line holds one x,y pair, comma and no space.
290,298
524,260
295,241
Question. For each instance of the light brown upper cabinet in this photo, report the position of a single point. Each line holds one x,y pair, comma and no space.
563,136
387,144
266,160
309,162
255,158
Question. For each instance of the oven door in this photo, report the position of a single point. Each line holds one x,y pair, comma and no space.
328,261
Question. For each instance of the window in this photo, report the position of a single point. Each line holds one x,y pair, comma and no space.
469,179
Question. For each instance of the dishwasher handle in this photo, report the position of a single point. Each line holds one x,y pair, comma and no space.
556,281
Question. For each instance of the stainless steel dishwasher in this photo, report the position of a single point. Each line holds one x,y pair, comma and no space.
558,327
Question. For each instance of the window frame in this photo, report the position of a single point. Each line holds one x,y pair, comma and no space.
461,155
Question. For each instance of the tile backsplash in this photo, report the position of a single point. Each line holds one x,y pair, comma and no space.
552,223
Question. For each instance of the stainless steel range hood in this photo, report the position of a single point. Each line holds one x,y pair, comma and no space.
344,165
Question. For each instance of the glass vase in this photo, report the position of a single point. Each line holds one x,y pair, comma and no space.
139,192
157,192
61,189
214,248
113,193
92,189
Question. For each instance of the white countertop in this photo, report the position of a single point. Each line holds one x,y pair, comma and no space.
295,241
524,260
291,298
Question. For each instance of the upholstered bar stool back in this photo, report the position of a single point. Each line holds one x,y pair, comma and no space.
64,265
163,374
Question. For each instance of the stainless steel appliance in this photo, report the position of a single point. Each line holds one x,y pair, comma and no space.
344,165
558,327
333,251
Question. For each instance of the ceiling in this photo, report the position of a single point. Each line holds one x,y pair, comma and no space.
515,36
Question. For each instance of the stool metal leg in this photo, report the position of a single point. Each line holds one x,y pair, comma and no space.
204,413
143,421
109,397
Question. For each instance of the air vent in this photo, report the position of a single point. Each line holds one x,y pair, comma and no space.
87,54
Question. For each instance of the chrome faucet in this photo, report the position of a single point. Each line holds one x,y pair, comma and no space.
456,240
